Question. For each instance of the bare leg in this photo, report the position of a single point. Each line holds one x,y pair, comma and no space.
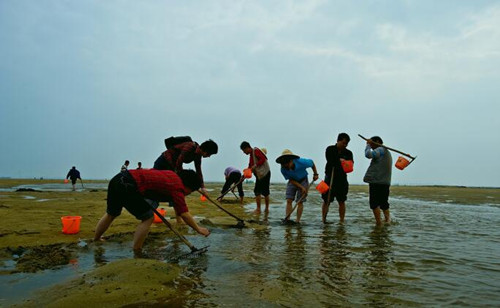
387,216
141,233
341,211
266,199
102,226
376,213
300,208
324,211
257,200
288,207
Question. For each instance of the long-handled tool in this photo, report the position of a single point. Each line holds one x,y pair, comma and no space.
241,222
394,150
82,183
194,250
329,192
297,203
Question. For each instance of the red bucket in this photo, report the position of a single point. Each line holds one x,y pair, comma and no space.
347,165
162,212
402,163
71,224
247,173
322,187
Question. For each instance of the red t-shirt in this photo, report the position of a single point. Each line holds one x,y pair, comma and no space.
161,185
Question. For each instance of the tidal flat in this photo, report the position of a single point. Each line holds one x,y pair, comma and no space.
441,249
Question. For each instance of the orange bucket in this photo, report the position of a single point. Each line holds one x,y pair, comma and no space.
66,181
162,212
247,173
203,198
71,224
347,165
322,187
402,163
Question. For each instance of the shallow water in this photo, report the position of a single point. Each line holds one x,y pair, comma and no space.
432,254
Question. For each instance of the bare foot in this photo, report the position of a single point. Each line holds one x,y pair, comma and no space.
257,211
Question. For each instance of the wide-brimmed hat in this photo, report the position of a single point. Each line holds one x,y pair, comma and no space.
285,155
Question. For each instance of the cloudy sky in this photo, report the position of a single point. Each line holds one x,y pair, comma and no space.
92,83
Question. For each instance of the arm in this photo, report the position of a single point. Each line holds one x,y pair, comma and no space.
376,153
189,220
315,175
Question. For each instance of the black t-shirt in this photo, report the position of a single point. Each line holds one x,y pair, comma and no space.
333,158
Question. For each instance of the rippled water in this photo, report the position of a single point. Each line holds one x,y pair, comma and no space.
432,254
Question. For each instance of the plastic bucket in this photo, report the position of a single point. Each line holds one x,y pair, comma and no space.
71,224
402,163
203,198
162,212
66,181
347,165
322,187
247,173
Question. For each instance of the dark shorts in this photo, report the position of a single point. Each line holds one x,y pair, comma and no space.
262,185
233,178
379,196
161,163
339,191
122,193
73,181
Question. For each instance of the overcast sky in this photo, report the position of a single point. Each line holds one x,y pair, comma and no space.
92,83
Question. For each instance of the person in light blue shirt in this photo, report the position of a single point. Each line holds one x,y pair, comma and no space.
294,170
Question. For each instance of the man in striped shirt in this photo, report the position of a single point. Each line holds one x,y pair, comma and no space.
140,189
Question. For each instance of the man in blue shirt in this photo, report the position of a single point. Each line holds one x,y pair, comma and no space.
294,170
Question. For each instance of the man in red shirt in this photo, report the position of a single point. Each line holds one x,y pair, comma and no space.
260,167
137,189
185,153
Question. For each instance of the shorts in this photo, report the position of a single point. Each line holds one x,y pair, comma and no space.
293,192
73,181
262,185
122,193
339,191
379,196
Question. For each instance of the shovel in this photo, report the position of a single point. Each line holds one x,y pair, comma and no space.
241,222
296,204
194,251
231,189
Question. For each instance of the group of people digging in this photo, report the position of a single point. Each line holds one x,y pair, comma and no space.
140,190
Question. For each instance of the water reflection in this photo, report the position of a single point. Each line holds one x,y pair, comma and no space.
379,287
335,270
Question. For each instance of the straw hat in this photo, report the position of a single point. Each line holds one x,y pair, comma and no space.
264,150
286,154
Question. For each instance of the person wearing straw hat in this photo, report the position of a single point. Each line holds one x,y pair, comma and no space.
294,170
335,155
140,189
378,176
260,168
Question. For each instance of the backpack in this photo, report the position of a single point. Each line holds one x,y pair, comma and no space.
170,142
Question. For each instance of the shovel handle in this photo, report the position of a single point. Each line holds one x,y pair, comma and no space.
394,150
220,207
169,225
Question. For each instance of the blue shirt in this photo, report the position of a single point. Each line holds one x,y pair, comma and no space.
301,164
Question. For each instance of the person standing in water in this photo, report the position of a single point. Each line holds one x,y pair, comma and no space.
294,170
378,176
260,168
73,175
335,155
233,176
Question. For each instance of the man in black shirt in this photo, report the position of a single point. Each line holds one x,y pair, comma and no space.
337,156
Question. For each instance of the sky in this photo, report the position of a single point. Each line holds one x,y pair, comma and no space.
93,83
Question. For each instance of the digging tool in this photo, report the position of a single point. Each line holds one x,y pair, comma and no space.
394,150
297,203
194,251
82,183
330,190
241,222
